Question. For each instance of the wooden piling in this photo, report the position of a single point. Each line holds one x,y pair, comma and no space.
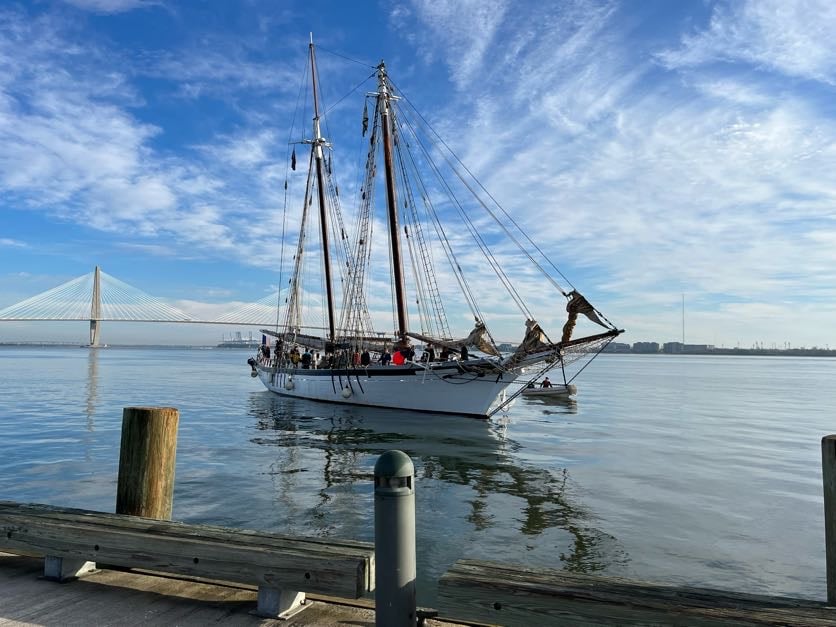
146,462
828,467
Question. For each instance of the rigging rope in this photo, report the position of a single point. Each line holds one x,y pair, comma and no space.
337,54
358,86
493,262
499,206
431,293
302,83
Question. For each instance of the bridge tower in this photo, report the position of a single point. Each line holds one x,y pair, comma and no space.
95,309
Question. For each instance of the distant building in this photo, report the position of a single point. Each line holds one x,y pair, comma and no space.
646,347
507,347
699,348
673,348
617,347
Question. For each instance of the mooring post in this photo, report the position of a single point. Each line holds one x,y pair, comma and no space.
394,540
146,477
146,462
828,472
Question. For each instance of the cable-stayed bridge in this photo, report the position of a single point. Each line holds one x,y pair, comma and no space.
99,297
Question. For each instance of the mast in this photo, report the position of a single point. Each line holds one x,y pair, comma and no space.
318,142
383,98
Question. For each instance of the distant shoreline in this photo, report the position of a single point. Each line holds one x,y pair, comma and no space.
747,352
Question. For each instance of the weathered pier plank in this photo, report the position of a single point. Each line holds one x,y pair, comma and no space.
514,595
105,522
119,598
283,567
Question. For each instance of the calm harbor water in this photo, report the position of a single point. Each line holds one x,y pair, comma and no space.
691,469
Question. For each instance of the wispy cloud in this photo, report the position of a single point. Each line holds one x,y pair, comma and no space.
249,150
793,38
466,29
12,243
112,6
219,67
651,183
71,145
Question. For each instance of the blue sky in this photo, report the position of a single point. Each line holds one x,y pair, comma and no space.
653,148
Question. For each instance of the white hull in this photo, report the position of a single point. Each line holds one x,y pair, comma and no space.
439,390
556,390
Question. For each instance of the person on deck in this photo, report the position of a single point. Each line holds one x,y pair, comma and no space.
365,358
546,383
465,355
398,358
385,358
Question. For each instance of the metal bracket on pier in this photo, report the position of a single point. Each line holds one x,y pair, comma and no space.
281,604
66,568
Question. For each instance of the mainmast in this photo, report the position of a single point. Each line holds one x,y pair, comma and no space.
383,98
318,142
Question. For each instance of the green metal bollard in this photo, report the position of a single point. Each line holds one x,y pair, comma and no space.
394,540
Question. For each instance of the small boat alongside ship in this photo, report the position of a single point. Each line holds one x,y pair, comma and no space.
557,390
329,348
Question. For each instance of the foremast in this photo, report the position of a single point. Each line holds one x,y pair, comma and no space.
383,106
317,144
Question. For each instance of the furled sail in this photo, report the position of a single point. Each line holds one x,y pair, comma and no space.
578,304
365,118
477,338
535,341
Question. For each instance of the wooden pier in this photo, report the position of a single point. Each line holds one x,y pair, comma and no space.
111,597
134,569
504,594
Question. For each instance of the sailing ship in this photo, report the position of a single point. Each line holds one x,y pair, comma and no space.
326,344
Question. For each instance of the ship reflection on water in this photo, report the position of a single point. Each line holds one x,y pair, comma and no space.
476,498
